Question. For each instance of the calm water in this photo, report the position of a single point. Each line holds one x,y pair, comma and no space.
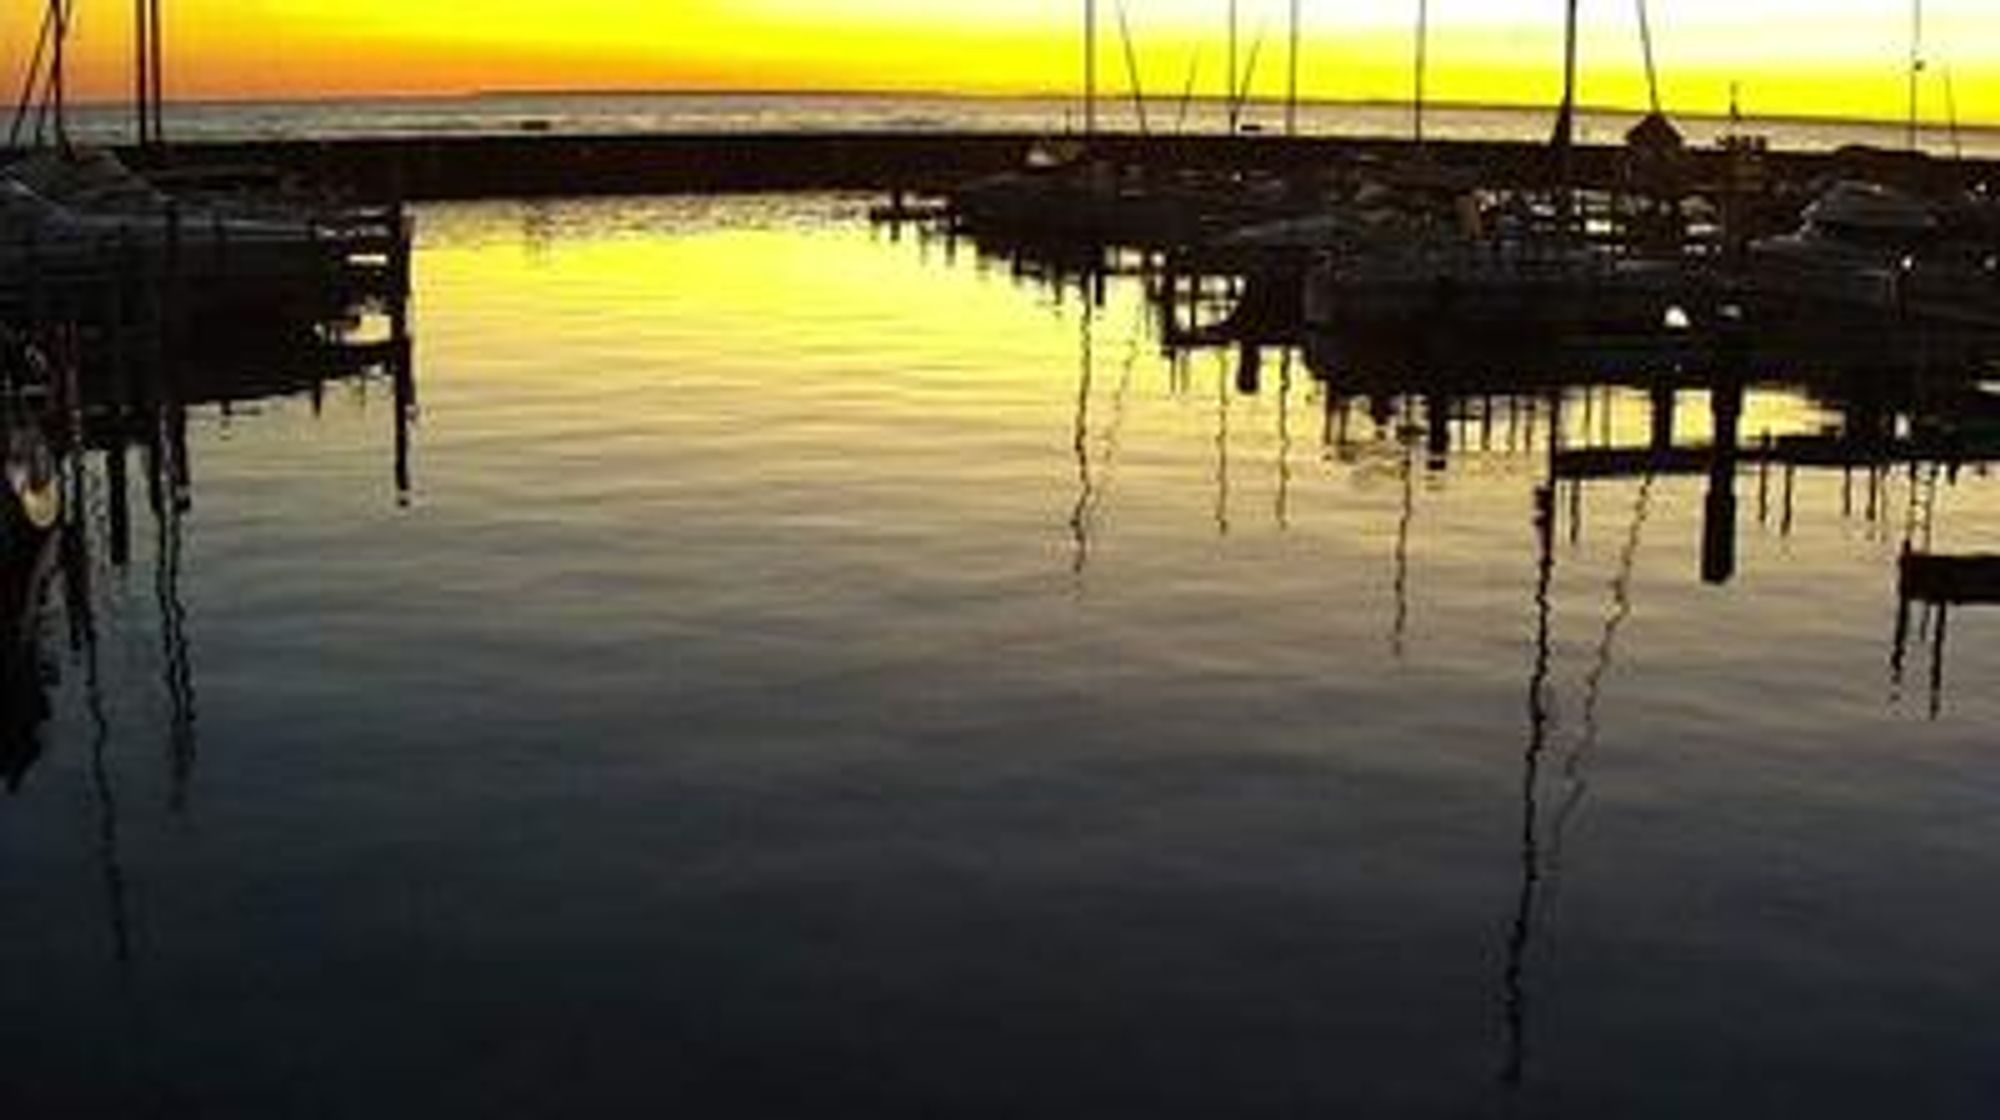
613,114
813,674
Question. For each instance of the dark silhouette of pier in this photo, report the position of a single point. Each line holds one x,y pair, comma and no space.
545,165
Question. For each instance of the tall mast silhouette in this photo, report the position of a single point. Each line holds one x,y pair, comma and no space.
1652,67
43,105
1089,67
1235,105
1292,78
1565,137
1916,65
1423,66
148,72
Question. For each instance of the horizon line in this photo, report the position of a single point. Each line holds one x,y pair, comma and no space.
918,94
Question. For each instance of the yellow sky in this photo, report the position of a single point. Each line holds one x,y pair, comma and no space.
1792,56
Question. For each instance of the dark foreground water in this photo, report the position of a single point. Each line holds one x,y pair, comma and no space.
811,677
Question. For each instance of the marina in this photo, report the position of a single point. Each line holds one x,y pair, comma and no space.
1243,604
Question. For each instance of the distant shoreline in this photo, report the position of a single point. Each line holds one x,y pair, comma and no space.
916,96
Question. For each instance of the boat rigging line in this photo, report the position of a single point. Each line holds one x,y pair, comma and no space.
1241,96
1652,68
45,86
1132,69
1187,91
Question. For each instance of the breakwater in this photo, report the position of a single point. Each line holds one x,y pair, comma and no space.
544,165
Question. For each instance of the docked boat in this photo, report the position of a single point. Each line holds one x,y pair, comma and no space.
30,508
75,226
31,503
76,209
1873,251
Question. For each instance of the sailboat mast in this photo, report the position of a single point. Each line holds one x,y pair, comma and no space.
1090,67
1235,105
1292,77
58,69
1916,65
1133,79
142,80
158,72
1423,66
1652,67
148,81
1565,138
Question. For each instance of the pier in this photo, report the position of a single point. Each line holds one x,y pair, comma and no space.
541,165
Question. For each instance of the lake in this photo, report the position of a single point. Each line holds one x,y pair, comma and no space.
812,672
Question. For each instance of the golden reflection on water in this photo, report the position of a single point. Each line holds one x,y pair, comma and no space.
984,648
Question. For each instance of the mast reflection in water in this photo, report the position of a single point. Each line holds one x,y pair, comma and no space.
98,409
835,675
1889,411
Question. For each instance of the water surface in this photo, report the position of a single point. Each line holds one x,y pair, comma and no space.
819,674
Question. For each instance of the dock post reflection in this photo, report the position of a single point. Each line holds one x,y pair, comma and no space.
1938,583
403,375
1718,538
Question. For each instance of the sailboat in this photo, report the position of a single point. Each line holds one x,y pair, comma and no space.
1068,197
1870,252
1521,276
30,508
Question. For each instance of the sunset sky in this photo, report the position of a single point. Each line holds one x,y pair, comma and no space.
1792,56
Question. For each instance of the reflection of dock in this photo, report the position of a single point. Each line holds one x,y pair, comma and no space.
1950,580
1833,452
117,421
1936,583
